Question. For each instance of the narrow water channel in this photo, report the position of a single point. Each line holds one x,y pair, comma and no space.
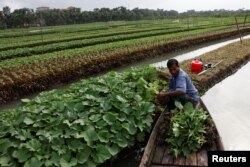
229,105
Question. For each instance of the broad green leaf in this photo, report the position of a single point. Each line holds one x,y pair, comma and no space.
61,149
65,163
67,122
28,121
55,158
4,145
75,144
48,163
95,118
121,99
178,105
130,128
4,132
113,150
102,154
25,100
86,103
122,117
80,121
176,130
22,155
148,120
83,155
90,97
122,143
5,161
188,107
103,136
78,107
148,108
90,164
100,124
116,128
45,111
106,106
89,135
33,162
110,118
33,145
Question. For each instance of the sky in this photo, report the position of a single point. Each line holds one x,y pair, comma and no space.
178,5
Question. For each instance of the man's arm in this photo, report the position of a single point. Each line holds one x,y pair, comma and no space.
173,93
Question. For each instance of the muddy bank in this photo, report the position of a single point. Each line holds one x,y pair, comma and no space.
16,90
233,57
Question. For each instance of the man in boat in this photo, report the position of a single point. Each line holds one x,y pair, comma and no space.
181,87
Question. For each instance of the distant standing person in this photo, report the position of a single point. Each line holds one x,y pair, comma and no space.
181,87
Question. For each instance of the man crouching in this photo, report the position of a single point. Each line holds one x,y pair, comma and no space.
181,87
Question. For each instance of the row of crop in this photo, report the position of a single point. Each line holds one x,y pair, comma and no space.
26,40
23,52
86,124
7,42
27,34
59,29
45,31
78,27
114,48
59,39
75,31
61,33
68,29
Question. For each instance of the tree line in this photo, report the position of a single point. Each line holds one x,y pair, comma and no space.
26,17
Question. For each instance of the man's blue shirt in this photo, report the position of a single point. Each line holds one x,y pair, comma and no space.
183,83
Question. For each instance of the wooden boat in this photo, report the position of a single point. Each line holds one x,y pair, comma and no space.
156,153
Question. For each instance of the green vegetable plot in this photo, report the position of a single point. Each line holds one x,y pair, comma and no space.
84,125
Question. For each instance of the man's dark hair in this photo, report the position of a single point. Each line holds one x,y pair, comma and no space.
172,62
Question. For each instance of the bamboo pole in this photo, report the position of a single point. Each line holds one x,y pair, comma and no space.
238,29
245,21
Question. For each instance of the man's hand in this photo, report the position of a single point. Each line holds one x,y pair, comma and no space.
162,94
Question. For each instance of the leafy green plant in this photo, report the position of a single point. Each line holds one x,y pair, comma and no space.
83,125
187,129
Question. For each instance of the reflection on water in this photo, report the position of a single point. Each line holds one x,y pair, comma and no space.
228,104
197,52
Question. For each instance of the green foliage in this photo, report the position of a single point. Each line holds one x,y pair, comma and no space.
42,49
84,125
187,129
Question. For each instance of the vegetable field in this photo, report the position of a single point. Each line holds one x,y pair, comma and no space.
94,119
34,59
